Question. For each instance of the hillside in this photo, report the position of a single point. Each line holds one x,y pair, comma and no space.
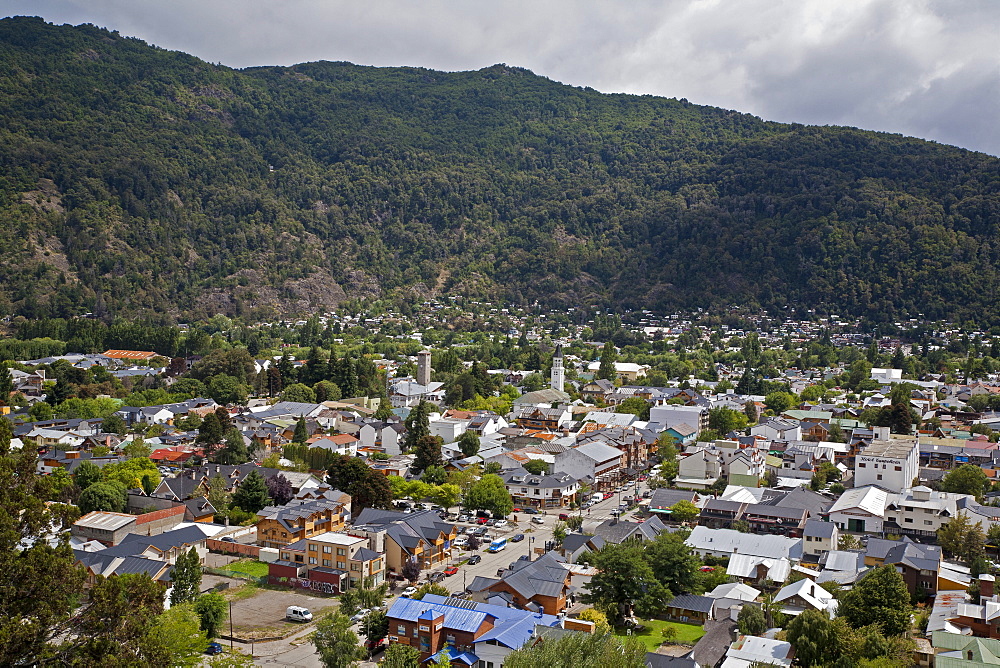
138,180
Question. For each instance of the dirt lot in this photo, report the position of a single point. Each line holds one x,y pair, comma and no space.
261,612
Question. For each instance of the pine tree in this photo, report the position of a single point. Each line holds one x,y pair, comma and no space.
301,434
186,577
252,495
417,425
6,385
608,358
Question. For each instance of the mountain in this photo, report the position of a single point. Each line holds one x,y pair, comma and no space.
138,180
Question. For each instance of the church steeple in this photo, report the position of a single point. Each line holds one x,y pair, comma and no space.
557,378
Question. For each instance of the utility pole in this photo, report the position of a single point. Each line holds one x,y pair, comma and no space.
231,626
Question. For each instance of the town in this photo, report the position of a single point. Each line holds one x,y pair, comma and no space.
471,485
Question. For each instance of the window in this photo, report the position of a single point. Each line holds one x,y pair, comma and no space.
928,522
899,468
341,552
861,466
326,562
299,558
355,567
908,519
327,549
401,630
312,560
878,477
341,565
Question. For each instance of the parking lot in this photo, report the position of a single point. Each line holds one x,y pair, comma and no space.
264,611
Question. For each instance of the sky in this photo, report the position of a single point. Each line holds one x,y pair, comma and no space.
924,68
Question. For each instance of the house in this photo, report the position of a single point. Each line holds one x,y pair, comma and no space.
618,531
805,595
682,434
165,547
108,528
663,499
597,390
341,444
654,660
628,372
598,463
728,543
819,537
860,509
555,490
921,511
674,415
575,545
954,650
764,518
99,564
777,429
720,513
347,557
690,609
749,651
890,464
919,564
420,537
731,595
542,585
462,632
533,417
299,519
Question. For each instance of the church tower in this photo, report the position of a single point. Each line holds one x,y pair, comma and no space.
424,367
557,369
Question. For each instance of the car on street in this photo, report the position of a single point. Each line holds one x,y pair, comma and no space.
359,615
500,523
537,519
607,495
375,646
461,541
517,538
408,592
530,511
616,512
213,649
475,559
451,570
630,483
563,517
436,577
501,571
516,510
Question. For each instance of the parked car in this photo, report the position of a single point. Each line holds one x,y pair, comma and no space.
471,530
375,646
517,538
359,615
475,559
616,512
563,517
482,520
463,518
228,539
461,541
435,577
213,649
501,571
516,510
451,570
491,522
296,613
607,495
408,592
482,513
480,531
530,511
537,519
500,523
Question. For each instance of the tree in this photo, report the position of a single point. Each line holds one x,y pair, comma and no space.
375,626
368,488
40,578
848,542
960,537
137,448
817,639
108,496
299,393
574,522
751,620
384,410
212,609
625,581
87,473
493,468
178,630
326,391
966,479
446,495
683,511
400,656
580,650
468,443
750,410
227,390
417,425
673,563
234,451
6,385
609,355
428,453
434,475
279,489
636,406
131,473
489,493
599,619
252,495
363,595
301,434
559,532
186,578
724,420
430,588
411,570
336,643
879,598
536,467
210,432
779,402
113,424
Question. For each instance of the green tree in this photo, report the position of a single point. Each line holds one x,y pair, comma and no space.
210,431
609,355
536,467
417,425
430,588
428,453
113,424
363,595
673,563
880,597
131,473
446,495
212,609
252,495
400,656
227,390
960,537
137,448
489,493
636,406
966,479
468,443
368,488
817,639
434,475
683,511
326,391
559,532
233,451
301,434
724,420
375,626
299,393
87,473
186,578
580,650
41,579
336,643
779,402
108,496
493,468
751,620
750,410
625,582
178,630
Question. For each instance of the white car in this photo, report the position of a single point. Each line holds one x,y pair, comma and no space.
360,614
537,519
461,541
500,523
471,530
463,518
408,592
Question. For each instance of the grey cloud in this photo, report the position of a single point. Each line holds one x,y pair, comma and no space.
921,67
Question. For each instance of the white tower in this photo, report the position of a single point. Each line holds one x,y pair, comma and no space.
558,377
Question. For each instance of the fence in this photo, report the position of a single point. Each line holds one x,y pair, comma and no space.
225,547
302,583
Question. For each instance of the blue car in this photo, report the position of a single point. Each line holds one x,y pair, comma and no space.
213,649
517,538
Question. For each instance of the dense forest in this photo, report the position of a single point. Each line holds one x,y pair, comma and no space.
138,181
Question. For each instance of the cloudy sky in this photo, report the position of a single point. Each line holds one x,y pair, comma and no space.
925,68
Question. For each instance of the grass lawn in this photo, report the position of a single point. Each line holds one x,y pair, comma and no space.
651,634
251,567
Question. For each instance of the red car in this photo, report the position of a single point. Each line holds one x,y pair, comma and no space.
451,570
482,520
516,510
706,569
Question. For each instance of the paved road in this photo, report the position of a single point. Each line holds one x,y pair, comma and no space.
297,652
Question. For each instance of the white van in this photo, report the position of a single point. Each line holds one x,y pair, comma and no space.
296,614
596,497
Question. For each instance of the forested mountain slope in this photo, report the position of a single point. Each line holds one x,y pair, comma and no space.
137,179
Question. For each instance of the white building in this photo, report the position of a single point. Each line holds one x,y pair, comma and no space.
596,461
922,511
673,415
891,464
860,509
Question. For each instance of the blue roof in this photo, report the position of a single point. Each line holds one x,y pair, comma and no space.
452,655
512,627
454,618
